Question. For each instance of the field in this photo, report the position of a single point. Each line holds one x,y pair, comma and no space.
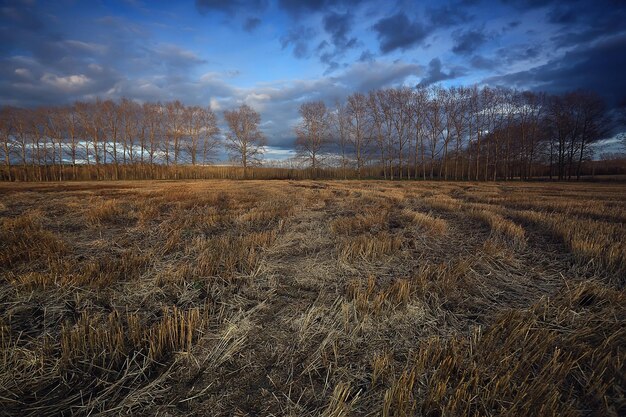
302,298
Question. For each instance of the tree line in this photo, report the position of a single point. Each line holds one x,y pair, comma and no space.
458,133
109,136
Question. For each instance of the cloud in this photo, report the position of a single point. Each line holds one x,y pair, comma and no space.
231,7
366,76
447,15
366,56
24,16
598,68
173,56
577,21
519,52
251,24
398,32
68,83
583,22
23,72
338,26
435,73
528,4
563,14
297,7
482,63
468,41
298,38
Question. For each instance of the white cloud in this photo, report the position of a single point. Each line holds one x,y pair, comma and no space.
68,83
23,72
215,105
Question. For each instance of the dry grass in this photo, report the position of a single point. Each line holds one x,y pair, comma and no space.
502,227
598,242
369,247
23,238
550,360
312,298
104,211
371,298
427,222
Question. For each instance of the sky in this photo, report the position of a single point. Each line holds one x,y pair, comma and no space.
275,54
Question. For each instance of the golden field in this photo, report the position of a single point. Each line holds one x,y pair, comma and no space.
304,298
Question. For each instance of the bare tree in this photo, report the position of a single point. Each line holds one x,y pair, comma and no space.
73,131
153,125
6,135
529,108
360,129
174,129
90,120
312,133
245,141
377,122
201,127
621,120
341,124
209,135
594,124
382,104
55,130
401,118
448,103
458,122
39,141
130,114
419,104
435,117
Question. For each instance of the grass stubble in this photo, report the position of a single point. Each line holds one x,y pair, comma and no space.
312,298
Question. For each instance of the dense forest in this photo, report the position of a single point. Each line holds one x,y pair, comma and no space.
456,133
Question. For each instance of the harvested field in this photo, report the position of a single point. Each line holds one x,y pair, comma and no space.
303,298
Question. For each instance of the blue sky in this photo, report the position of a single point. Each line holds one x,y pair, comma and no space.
273,55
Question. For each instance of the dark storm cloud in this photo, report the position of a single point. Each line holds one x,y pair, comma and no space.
24,27
468,41
578,21
366,56
41,65
581,22
172,59
364,77
297,7
38,65
528,4
231,7
23,15
596,68
515,53
399,32
251,23
338,26
435,73
298,38
483,63
447,15
563,14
